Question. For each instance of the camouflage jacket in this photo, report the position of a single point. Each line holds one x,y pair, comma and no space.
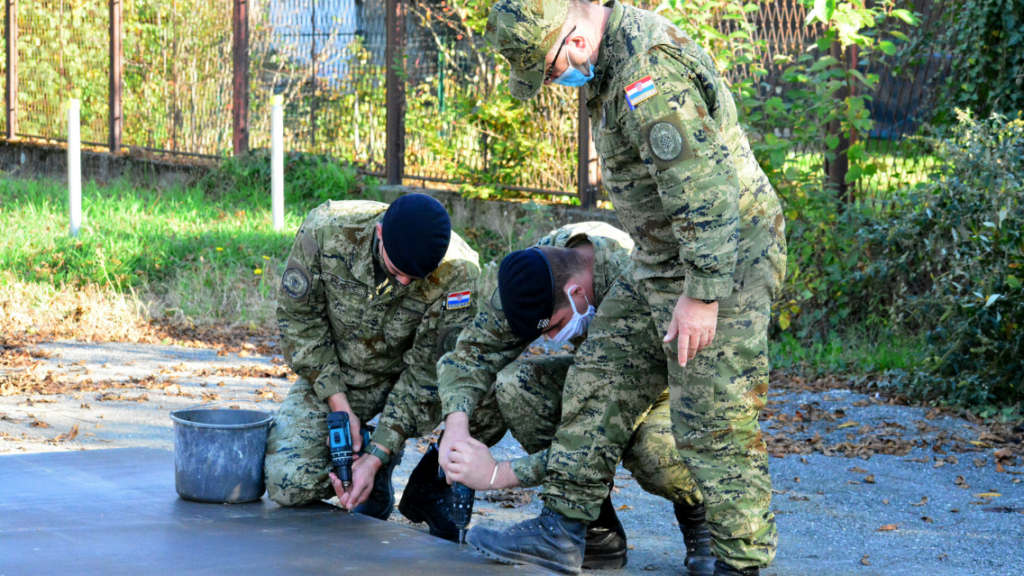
487,345
675,161
344,325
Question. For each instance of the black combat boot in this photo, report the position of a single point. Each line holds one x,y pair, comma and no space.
693,522
606,540
550,541
381,501
428,498
723,569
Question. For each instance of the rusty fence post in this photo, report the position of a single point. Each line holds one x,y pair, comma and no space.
240,80
116,82
11,86
585,192
838,168
394,58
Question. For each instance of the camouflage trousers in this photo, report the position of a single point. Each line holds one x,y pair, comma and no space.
715,400
298,458
529,394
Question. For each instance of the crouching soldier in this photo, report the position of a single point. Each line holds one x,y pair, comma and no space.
554,289
369,297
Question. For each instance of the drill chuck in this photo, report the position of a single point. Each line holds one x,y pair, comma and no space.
462,508
340,436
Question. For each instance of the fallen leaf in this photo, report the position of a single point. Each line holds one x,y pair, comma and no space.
885,501
924,500
889,528
624,507
939,464
69,436
988,495
86,406
865,561
927,519
979,462
961,482
870,479
39,424
857,469
849,424
1003,454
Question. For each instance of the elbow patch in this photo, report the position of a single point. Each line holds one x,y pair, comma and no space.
665,138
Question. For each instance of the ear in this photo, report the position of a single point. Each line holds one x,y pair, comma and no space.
380,231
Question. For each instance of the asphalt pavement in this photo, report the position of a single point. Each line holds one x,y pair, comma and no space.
883,514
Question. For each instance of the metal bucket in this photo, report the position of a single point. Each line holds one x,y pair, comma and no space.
218,454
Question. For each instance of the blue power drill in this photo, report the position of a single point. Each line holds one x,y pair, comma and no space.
340,435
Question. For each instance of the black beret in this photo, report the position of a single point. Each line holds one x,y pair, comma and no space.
526,285
416,234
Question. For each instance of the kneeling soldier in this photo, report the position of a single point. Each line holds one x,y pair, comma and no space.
554,289
369,297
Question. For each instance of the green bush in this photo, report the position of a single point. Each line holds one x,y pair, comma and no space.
951,262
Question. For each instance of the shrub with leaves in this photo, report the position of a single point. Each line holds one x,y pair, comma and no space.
953,261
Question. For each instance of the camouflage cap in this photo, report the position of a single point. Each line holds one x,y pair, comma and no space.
523,31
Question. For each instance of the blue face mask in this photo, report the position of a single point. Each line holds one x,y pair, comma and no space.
572,77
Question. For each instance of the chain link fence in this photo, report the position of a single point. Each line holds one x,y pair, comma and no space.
326,58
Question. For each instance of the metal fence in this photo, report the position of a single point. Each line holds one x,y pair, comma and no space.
195,77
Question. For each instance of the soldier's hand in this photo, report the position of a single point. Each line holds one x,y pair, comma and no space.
471,463
363,472
693,323
456,429
339,403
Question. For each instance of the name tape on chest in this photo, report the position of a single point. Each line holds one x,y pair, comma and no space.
458,300
639,91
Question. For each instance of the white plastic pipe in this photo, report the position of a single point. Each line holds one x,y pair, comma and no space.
277,161
74,166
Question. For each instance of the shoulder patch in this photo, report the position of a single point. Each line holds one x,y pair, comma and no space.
667,141
295,281
458,300
639,91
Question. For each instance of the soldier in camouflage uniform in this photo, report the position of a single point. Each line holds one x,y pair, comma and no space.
578,263
710,253
365,313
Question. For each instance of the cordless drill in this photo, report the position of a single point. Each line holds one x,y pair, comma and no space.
340,435
462,506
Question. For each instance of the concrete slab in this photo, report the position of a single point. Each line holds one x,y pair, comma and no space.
116,512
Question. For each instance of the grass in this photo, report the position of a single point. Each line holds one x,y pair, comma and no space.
858,350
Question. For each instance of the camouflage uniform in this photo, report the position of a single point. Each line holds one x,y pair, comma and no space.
346,328
529,391
708,225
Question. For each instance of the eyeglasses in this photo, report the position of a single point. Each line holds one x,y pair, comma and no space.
547,75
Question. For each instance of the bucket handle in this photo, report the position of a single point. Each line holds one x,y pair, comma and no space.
220,402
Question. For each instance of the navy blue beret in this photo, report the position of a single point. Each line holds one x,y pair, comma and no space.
416,234
526,285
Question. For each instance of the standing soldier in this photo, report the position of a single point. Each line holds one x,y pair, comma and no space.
710,252
371,297
554,289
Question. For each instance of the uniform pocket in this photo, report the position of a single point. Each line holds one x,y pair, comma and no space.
405,319
346,300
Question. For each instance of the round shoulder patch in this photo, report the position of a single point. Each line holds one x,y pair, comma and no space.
666,141
295,283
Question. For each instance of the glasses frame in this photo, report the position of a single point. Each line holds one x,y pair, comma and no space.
547,75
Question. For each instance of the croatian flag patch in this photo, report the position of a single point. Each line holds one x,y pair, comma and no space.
458,300
639,91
